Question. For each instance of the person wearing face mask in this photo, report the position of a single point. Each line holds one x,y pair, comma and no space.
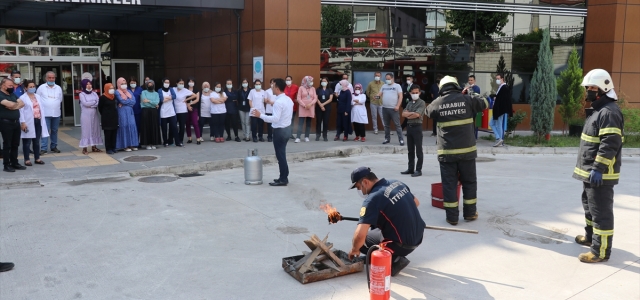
338,88
359,113
457,152
193,110
257,98
205,109
343,118
501,109
167,112
413,114
244,108
136,91
18,86
231,119
183,95
292,92
150,124
323,109
127,131
307,99
218,112
51,95
31,116
471,87
89,122
108,108
10,125
391,94
406,96
390,210
373,89
598,165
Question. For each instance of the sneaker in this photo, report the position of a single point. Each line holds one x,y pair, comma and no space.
135,149
55,150
397,266
213,139
6,266
471,218
153,147
297,140
385,142
582,240
149,147
127,150
375,132
363,139
401,143
356,139
306,140
43,152
590,258
499,143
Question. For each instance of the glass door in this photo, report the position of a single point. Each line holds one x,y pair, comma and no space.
127,68
81,71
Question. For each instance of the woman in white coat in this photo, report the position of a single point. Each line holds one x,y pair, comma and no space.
359,112
32,115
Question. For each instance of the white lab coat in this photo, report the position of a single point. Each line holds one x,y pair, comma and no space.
359,112
26,116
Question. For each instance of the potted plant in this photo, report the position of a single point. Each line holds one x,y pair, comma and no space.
575,126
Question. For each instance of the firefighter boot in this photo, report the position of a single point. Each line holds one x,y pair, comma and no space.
473,217
582,240
590,258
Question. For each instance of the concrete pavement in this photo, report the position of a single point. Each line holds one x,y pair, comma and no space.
212,237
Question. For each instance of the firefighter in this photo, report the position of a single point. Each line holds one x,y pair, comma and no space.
598,165
454,111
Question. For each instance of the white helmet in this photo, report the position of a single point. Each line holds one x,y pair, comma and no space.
448,79
599,78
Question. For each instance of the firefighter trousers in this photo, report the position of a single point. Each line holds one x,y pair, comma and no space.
598,212
465,172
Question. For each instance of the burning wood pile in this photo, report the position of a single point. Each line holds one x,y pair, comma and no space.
321,263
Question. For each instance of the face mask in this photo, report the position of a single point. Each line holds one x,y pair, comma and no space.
592,96
258,87
362,195
288,82
229,86
112,91
150,88
388,81
16,80
377,78
133,85
218,90
123,86
310,84
323,83
180,86
31,91
191,84
245,85
498,81
51,83
89,90
10,90
357,92
409,82
146,81
206,90
415,97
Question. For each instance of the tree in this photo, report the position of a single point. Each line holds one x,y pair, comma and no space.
483,23
445,60
543,90
501,68
570,90
335,22
86,38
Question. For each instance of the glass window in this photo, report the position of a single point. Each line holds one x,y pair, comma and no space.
364,22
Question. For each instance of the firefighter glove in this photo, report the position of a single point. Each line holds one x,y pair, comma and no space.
595,178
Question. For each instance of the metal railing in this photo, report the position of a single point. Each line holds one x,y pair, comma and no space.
48,53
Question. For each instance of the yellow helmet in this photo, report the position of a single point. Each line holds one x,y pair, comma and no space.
448,79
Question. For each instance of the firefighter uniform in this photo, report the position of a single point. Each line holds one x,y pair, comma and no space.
457,151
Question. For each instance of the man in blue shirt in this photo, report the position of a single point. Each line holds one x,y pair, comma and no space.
391,211
471,84
17,83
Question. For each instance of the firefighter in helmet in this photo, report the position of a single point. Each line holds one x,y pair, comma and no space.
598,165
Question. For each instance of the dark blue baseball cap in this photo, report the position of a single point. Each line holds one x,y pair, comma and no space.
358,174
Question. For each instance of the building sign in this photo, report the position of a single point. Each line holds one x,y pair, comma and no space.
258,68
125,2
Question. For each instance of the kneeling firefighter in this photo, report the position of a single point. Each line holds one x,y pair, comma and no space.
598,165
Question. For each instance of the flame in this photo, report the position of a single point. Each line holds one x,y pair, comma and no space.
332,213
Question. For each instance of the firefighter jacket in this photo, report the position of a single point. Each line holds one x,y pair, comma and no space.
601,143
454,113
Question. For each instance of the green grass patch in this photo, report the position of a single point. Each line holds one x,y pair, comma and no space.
630,141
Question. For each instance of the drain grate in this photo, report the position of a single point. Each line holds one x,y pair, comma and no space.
158,179
485,159
190,175
140,158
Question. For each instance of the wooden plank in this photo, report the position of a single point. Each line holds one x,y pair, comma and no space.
326,250
307,264
327,262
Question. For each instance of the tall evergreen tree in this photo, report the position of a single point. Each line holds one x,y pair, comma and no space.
501,68
543,90
569,88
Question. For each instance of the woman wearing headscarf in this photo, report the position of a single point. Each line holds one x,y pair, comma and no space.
149,123
136,91
89,122
167,112
193,110
343,120
307,99
127,132
32,114
108,108
359,112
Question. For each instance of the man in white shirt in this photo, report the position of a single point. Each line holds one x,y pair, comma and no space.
338,88
51,94
281,122
391,94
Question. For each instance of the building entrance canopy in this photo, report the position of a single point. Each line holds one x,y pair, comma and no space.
105,15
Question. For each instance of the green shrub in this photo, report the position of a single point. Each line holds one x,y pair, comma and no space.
514,121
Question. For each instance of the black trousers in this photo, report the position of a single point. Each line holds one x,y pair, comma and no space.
26,143
231,122
110,138
269,128
598,213
414,144
171,122
404,123
465,172
181,119
218,124
257,127
280,140
358,129
435,129
343,124
206,120
322,120
10,130
374,237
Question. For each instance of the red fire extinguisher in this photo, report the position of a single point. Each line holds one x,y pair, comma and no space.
378,264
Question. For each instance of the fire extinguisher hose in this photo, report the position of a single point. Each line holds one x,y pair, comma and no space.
368,262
